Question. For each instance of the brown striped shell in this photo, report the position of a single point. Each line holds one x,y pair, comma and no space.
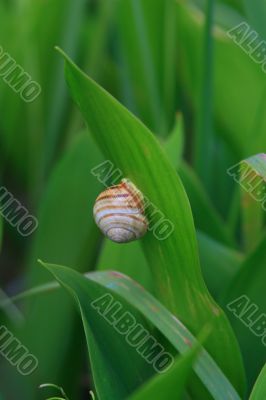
119,213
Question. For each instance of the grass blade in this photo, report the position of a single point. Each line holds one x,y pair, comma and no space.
204,136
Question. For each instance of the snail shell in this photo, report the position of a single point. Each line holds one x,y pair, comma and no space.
119,212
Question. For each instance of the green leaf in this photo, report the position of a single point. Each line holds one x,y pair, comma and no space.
1,231
71,183
131,147
256,14
125,290
250,282
172,383
51,385
128,259
148,49
220,261
174,145
29,153
259,390
241,123
204,141
66,234
258,163
206,217
117,368
69,16
12,312
250,174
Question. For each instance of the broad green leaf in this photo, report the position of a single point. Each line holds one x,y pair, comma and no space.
172,383
117,367
124,289
174,261
259,390
216,260
250,283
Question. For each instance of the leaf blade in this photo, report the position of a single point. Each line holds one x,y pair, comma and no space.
177,334
259,390
131,146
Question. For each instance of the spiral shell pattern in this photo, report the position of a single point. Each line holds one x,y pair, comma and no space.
119,212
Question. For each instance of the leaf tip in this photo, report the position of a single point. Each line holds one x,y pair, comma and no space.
63,54
43,264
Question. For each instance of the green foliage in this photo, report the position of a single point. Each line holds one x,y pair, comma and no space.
175,104
259,390
131,147
103,352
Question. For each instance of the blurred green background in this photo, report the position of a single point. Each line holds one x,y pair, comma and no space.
171,63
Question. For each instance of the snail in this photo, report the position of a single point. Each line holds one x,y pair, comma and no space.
119,212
